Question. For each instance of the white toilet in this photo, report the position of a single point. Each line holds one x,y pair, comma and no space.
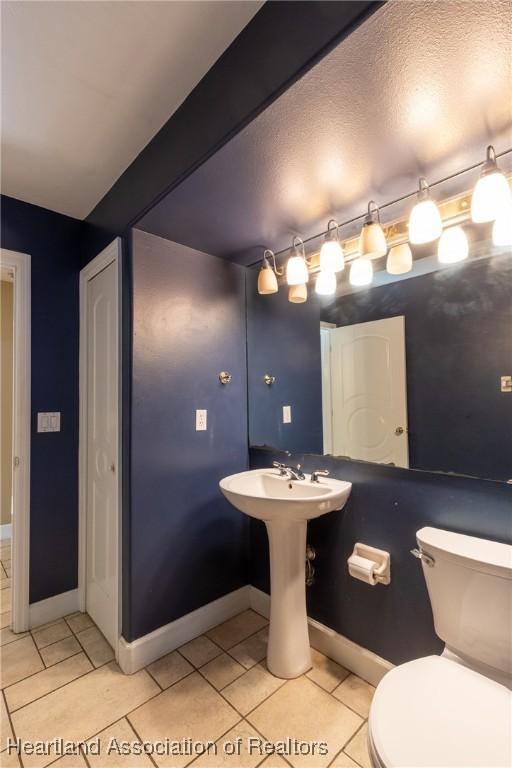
453,710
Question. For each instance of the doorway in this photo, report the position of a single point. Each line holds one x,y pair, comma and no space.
100,441
15,439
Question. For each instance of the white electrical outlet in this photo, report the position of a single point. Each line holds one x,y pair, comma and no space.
201,421
48,422
287,414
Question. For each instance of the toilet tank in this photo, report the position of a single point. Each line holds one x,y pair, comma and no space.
470,588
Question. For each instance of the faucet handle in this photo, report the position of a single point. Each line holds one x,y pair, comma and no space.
319,473
281,467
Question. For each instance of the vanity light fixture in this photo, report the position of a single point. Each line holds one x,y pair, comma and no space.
325,283
399,259
361,272
492,193
267,278
298,294
502,227
453,246
372,240
331,252
296,266
425,220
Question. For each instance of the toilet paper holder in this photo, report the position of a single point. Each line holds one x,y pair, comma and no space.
382,559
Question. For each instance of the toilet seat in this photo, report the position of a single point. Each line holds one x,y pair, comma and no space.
437,713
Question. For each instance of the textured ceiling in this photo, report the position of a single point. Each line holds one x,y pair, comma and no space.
419,89
86,85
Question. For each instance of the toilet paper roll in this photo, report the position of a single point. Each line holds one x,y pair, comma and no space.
363,569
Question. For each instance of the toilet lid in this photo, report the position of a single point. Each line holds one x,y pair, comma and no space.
436,713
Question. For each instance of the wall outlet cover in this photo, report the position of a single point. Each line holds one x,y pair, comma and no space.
287,414
201,420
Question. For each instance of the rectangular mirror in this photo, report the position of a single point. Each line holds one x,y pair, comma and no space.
414,371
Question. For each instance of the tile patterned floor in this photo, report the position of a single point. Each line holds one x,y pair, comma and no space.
60,680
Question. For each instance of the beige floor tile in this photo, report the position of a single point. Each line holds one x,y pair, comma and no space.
70,761
252,688
111,748
8,636
5,582
356,694
190,709
5,725
18,660
51,633
5,620
275,761
82,708
199,651
5,599
326,672
237,629
40,684
252,650
60,650
357,748
344,761
79,621
169,669
222,671
95,646
9,760
303,711
233,750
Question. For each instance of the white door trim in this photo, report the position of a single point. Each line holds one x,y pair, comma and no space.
20,262
111,254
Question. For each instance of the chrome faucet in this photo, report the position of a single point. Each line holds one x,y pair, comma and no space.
287,471
319,473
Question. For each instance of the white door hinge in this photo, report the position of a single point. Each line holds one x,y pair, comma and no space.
16,461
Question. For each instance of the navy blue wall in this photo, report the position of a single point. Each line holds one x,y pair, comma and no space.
458,331
386,508
187,545
283,339
53,242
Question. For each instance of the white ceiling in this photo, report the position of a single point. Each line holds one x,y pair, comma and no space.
86,85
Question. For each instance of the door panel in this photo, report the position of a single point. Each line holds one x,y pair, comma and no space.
368,386
102,438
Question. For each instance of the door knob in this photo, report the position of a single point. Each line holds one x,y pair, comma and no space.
399,431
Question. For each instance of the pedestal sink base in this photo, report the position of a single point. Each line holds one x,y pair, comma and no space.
289,654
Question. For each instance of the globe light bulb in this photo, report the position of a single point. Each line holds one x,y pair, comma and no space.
361,272
502,227
425,220
492,193
298,294
453,246
399,259
325,283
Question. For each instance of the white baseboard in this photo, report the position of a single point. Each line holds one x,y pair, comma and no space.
53,608
5,531
359,660
137,654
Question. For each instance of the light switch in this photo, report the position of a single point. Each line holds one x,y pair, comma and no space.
201,421
287,414
48,422
506,383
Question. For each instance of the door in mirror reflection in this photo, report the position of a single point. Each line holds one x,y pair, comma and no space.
364,391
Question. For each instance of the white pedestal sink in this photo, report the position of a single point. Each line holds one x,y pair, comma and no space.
285,506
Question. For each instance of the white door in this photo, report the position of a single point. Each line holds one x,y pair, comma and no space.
368,391
102,450
325,351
